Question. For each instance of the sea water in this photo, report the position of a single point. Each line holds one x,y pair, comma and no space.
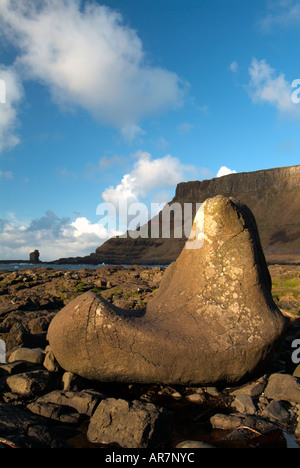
26,266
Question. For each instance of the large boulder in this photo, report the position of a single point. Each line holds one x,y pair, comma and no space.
213,319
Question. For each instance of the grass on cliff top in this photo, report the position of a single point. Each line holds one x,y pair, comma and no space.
286,294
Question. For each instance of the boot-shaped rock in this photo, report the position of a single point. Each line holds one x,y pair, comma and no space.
212,321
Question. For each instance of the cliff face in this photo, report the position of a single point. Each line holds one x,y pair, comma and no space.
273,196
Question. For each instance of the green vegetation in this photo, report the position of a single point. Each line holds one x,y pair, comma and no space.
116,291
80,286
286,293
97,290
286,285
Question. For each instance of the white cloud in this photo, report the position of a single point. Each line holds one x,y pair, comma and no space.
269,86
6,174
184,128
282,13
234,67
53,236
13,93
125,191
105,163
131,131
89,57
84,227
147,175
225,171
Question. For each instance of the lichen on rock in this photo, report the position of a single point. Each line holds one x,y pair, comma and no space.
212,320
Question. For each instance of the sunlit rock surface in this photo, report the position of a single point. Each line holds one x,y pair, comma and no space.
212,320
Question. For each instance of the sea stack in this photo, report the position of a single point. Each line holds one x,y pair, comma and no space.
212,321
34,256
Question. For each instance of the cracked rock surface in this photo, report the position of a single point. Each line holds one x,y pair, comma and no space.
213,319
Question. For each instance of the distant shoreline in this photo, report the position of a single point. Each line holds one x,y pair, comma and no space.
271,258
20,261
50,262
83,261
8,262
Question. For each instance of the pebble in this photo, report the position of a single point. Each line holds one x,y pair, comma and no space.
176,395
213,391
196,398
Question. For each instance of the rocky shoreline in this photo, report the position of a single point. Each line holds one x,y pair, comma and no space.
43,406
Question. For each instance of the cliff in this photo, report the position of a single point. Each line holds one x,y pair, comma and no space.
273,195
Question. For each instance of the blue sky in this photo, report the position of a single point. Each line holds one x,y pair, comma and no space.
123,99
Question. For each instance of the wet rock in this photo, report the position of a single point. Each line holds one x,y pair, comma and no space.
241,434
225,421
188,444
212,320
129,424
235,421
